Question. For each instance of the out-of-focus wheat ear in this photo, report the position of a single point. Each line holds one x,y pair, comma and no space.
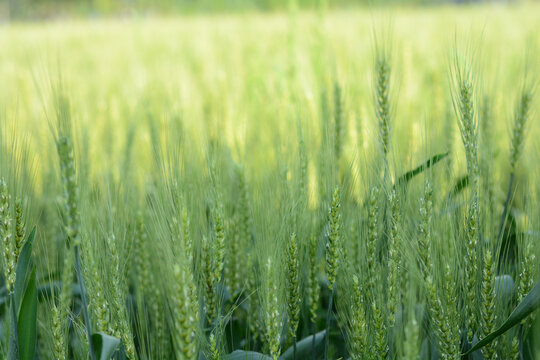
272,317
186,237
69,180
313,287
372,237
242,267
333,246
99,305
448,345
214,350
185,313
253,318
358,337
141,258
58,333
412,336
232,266
383,105
521,117
122,327
394,260
293,289
333,252
465,107
526,278
464,103
209,278
486,124
381,335
219,245
441,324
471,271
6,236
488,308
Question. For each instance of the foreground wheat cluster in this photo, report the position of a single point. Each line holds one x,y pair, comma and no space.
283,211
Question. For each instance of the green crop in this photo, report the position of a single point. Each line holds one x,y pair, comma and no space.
272,186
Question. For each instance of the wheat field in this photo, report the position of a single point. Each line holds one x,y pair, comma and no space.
333,184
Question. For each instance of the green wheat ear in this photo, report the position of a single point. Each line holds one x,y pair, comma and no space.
372,237
489,316
383,104
358,324
293,286
333,246
69,180
520,122
313,287
395,261
464,97
272,316
9,252
185,313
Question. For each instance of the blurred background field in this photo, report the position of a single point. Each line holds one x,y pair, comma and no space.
40,9
251,77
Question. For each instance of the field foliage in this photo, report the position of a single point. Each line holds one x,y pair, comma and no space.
299,185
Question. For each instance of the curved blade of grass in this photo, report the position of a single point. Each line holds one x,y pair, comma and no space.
405,178
246,355
505,208
461,184
23,264
27,324
13,346
530,303
304,347
104,345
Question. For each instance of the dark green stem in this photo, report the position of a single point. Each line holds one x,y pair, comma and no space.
84,303
294,347
521,342
505,210
328,320
13,341
314,329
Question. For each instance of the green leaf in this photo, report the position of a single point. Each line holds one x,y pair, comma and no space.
530,303
13,346
27,323
504,286
104,345
461,184
21,270
246,355
304,347
45,292
405,178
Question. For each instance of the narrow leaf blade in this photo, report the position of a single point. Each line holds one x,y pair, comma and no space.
246,355
530,303
304,347
13,346
21,270
105,345
405,178
27,324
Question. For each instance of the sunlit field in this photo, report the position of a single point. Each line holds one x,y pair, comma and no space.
333,184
